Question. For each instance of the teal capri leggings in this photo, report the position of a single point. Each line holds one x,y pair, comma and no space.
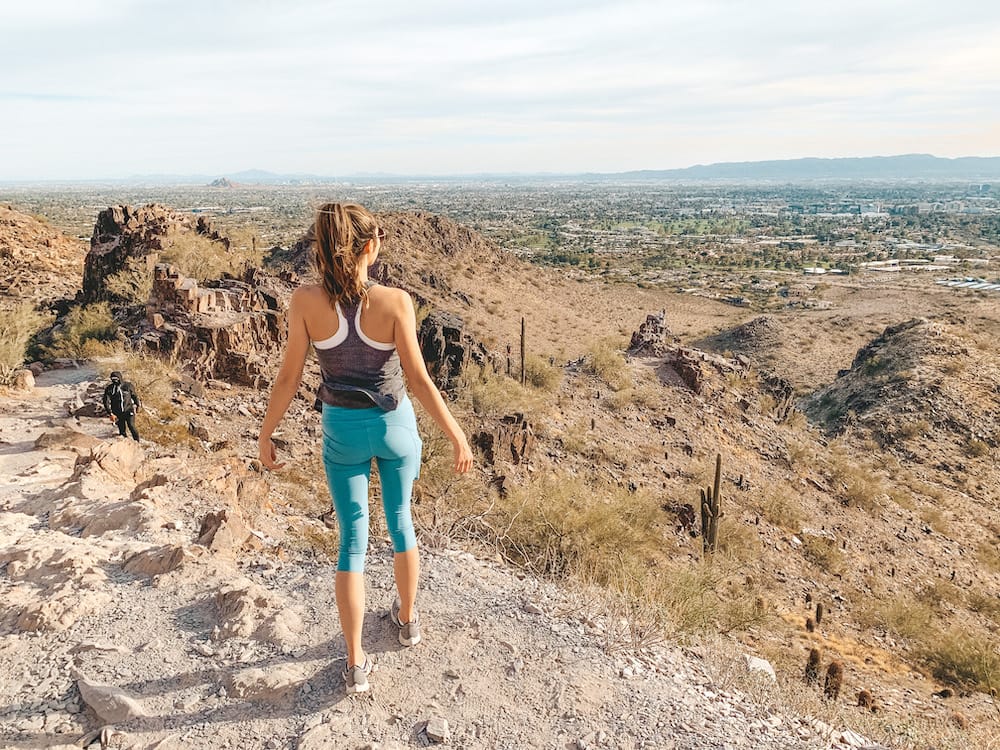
351,438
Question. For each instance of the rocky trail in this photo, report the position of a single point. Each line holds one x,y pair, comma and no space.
141,610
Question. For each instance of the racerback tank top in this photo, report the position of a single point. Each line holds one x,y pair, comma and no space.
358,372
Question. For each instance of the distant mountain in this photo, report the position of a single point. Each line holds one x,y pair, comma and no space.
905,167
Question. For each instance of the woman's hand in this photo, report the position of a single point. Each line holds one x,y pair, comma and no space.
268,455
463,455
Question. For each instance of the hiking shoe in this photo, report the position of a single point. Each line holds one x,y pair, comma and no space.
356,677
409,632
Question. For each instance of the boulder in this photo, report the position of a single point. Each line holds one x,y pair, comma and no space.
223,532
240,607
113,705
120,459
22,380
64,438
512,439
157,560
448,349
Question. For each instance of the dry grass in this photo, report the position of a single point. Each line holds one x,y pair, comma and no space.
17,326
962,657
778,506
901,615
204,259
825,554
541,374
492,394
605,361
891,728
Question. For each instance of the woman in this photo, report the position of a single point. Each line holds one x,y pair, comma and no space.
365,338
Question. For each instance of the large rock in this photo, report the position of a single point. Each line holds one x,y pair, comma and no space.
447,348
23,380
113,705
512,439
64,438
157,560
247,610
229,329
653,338
223,532
119,459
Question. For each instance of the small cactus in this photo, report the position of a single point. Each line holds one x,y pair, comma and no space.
810,625
866,700
812,666
819,612
834,680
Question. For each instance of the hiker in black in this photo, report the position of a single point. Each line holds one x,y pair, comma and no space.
122,402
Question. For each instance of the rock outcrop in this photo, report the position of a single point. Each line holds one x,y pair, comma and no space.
228,329
511,440
448,349
123,234
653,338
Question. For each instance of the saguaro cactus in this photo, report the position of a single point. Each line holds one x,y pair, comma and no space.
710,513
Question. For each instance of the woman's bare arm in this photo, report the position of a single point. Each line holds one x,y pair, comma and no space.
288,380
423,388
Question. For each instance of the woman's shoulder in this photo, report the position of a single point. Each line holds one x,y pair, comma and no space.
389,296
309,294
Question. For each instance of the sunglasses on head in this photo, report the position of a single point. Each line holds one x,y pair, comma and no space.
380,233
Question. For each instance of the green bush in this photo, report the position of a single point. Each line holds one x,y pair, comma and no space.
86,331
134,283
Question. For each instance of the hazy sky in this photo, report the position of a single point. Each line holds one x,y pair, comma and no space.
111,88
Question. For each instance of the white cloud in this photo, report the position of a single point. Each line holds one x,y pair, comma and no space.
112,87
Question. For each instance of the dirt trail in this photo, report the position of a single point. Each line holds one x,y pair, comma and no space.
114,616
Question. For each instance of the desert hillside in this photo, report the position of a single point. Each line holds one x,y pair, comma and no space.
860,501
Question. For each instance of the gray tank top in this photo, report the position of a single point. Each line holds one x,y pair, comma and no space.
357,371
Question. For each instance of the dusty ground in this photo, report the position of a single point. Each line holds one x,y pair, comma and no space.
240,647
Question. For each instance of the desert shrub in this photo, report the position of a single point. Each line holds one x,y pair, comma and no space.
538,373
901,615
824,553
988,555
203,259
605,361
934,517
134,283
86,331
976,448
858,484
916,428
986,604
962,657
778,507
17,326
